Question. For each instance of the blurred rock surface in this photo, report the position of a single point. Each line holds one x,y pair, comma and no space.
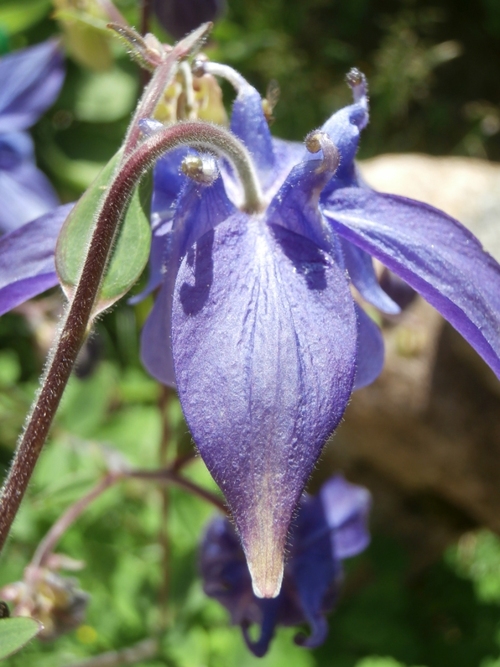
425,437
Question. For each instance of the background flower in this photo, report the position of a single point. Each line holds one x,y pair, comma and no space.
328,528
31,81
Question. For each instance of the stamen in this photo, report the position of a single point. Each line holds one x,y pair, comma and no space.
202,169
187,87
356,81
320,141
201,67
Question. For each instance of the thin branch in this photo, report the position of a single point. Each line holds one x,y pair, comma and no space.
168,476
48,544
73,512
163,536
144,650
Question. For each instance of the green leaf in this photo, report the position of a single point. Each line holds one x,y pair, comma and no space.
131,249
16,633
103,97
17,16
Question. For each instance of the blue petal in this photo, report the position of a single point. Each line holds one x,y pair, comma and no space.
344,129
250,125
370,357
199,209
264,341
25,193
295,206
31,81
362,274
27,259
168,182
433,253
314,569
346,507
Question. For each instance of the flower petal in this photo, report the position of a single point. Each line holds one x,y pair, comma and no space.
26,194
264,341
346,507
370,357
359,264
199,209
250,125
31,81
433,253
27,259
344,129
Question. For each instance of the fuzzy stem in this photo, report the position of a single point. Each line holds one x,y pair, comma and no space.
162,77
75,325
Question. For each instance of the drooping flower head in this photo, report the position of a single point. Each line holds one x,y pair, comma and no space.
255,323
31,81
328,528
254,253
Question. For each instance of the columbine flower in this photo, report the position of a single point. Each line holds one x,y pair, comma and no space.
329,528
255,322
31,81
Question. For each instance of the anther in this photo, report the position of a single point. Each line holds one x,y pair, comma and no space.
356,81
202,169
320,141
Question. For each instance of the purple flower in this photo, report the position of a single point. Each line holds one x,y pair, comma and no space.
255,323
31,81
328,528
179,17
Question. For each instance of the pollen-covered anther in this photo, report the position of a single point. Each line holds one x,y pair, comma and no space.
320,141
356,81
202,169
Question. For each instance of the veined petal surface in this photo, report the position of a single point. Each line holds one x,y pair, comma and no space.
433,253
264,342
200,209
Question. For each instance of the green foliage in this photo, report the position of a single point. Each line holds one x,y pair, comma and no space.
15,633
131,249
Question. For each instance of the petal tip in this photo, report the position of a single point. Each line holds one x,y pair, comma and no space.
266,580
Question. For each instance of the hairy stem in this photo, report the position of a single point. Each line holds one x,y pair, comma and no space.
76,323
162,77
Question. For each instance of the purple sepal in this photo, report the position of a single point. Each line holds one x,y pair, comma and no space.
25,192
344,129
200,208
179,17
362,274
433,253
27,259
370,356
168,182
31,80
328,528
296,208
250,125
264,344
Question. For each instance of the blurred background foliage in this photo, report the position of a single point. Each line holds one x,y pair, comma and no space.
435,88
